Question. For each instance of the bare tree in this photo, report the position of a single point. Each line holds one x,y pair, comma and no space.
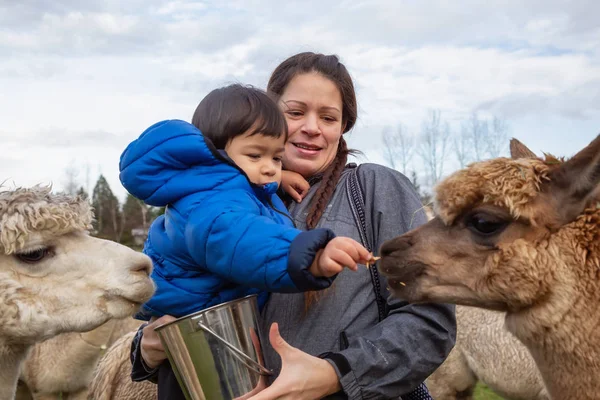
433,146
497,138
476,130
70,183
398,148
462,147
389,147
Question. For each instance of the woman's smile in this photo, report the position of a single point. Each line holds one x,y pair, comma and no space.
307,149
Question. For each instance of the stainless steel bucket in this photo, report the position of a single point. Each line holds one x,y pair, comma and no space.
215,353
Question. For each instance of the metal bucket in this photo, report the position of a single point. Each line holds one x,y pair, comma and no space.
215,353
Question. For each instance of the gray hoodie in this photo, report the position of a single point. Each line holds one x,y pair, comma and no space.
388,358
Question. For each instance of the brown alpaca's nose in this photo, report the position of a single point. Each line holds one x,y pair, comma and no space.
401,243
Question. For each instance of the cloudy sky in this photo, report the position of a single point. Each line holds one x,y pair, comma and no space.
80,79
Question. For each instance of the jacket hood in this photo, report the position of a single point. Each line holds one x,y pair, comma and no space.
172,159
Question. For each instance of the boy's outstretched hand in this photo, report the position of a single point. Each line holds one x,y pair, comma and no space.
340,252
294,184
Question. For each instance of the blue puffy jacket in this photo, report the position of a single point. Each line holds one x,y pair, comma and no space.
220,237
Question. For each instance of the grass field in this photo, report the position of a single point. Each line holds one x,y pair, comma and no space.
482,392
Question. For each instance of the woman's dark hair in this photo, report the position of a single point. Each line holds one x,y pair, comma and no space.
330,67
232,110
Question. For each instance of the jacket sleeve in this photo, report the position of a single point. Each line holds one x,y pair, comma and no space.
139,370
228,236
397,354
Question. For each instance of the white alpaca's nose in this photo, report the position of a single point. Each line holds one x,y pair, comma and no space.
142,264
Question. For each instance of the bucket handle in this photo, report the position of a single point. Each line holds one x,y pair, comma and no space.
240,355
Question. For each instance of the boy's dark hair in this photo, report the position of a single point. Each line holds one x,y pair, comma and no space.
230,111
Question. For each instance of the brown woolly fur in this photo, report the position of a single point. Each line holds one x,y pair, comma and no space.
521,236
25,210
512,184
486,352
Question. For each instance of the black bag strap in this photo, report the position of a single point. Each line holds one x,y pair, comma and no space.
357,204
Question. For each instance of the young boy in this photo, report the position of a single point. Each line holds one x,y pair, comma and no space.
225,234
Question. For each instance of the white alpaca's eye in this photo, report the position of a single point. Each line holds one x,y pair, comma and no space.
33,256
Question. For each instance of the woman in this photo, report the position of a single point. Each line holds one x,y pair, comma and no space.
335,343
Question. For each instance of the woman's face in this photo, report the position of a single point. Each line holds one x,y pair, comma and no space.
312,105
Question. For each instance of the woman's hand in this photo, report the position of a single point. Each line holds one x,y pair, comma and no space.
152,349
302,377
294,184
340,252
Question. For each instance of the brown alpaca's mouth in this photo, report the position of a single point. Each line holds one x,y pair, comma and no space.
400,275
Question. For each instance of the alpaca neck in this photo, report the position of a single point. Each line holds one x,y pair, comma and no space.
566,354
11,358
569,377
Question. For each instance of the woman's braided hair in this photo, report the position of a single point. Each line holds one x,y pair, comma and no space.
324,193
331,68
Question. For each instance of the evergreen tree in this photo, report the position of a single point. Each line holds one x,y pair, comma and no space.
106,209
135,215
156,212
82,193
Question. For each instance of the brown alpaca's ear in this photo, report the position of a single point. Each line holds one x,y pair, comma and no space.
519,150
576,181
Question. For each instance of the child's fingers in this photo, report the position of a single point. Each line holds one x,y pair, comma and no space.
296,196
329,267
356,250
363,253
302,185
291,190
300,192
342,257
364,258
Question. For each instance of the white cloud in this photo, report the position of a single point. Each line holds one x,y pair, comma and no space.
180,7
81,79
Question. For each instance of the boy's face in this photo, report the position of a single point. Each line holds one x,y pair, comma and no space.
258,156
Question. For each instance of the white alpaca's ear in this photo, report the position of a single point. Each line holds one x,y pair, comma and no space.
519,150
576,181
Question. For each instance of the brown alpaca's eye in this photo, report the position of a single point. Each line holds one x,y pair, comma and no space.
485,224
34,256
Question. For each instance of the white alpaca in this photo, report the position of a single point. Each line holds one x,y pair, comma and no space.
485,351
55,278
112,378
64,365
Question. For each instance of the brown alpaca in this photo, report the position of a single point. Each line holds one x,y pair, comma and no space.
64,365
521,236
485,351
112,379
